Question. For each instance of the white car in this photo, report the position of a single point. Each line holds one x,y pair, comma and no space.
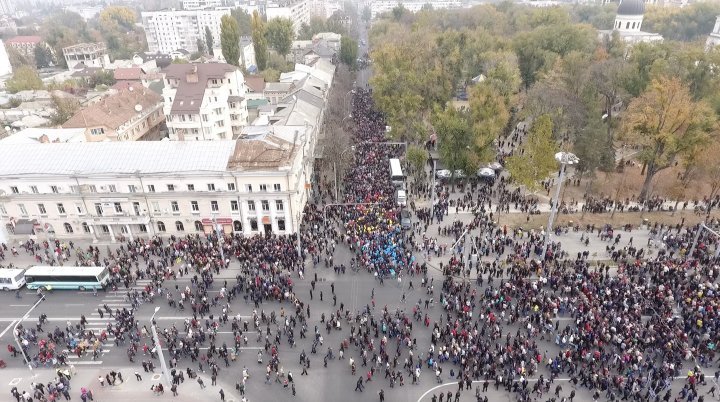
443,174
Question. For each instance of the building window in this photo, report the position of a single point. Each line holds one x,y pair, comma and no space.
93,188
79,208
61,208
151,188
179,226
191,187
231,186
281,224
97,131
54,189
194,206
86,227
265,205
142,228
112,188
23,210
214,206
161,226
98,208
276,187
132,188
211,186
251,205
174,206
198,226
171,187
234,205
41,209
205,117
3,211
34,189
248,188
156,207
68,227
279,205
14,190
105,229
118,207
237,226
253,225
263,187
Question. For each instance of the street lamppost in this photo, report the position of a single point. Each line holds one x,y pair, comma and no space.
345,100
565,158
337,190
15,334
161,355
697,237
220,236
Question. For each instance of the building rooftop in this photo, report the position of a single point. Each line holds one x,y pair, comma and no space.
114,110
44,134
129,158
193,80
84,47
631,7
131,73
25,39
269,151
256,83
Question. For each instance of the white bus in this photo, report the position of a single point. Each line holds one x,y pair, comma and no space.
396,173
12,278
67,277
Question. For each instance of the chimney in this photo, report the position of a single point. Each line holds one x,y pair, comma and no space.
44,139
192,76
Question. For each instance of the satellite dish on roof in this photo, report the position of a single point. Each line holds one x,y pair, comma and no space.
138,108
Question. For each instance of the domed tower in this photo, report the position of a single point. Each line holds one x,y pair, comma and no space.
629,16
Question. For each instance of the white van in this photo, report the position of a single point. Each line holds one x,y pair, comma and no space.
401,197
12,278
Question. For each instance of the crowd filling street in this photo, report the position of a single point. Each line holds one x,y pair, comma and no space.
459,307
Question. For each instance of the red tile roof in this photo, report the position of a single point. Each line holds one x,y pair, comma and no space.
25,39
131,73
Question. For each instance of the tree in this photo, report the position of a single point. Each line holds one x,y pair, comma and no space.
209,40
708,168
63,29
536,160
244,21
489,114
65,108
348,51
668,125
280,34
259,42
24,78
417,157
17,59
201,46
455,139
43,58
116,27
366,14
230,40
608,79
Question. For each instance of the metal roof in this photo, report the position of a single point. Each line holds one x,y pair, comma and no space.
86,158
631,7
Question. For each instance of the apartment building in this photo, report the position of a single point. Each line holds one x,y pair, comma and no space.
296,10
132,114
201,4
25,45
168,31
204,101
384,6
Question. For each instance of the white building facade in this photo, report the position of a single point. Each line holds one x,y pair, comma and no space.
296,10
146,189
714,37
384,6
204,101
168,31
201,4
5,67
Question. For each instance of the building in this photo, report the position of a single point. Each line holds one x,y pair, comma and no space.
89,54
714,37
7,7
130,76
169,31
192,5
384,6
204,101
25,45
133,114
324,45
628,24
296,10
5,67
45,135
103,190
248,54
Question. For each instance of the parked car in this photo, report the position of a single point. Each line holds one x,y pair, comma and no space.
405,221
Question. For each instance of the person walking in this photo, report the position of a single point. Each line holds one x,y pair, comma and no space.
222,395
382,395
359,385
200,381
138,376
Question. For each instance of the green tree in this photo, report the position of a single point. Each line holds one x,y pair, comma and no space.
65,108
348,51
366,14
417,157
259,41
209,40
24,78
455,139
280,34
116,27
200,46
17,59
63,29
668,125
230,40
43,57
489,115
244,21
536,160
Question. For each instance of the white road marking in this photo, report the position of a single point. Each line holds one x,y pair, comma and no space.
7,329
15,381
74,304
19,305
